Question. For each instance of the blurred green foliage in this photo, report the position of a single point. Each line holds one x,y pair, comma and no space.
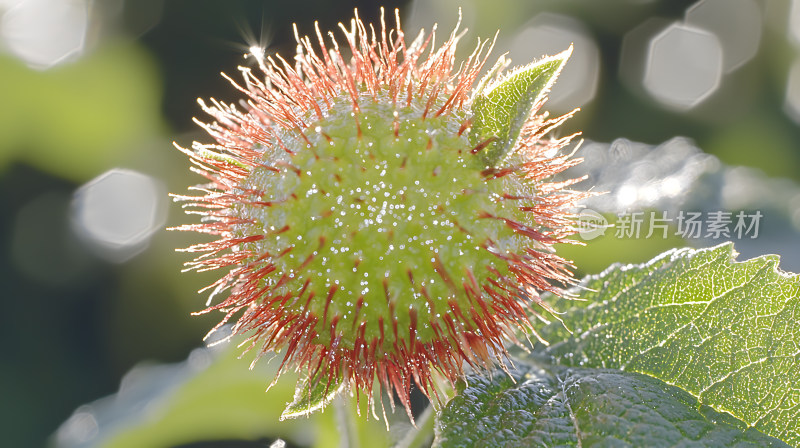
76,120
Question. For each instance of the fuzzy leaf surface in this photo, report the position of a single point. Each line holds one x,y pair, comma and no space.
561,406
726,332
502,108
310,396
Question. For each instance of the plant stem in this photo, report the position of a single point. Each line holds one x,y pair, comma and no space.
346,424
420,436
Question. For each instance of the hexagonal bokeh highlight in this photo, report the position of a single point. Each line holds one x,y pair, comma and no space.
44,33
737,24
549,34
633,51
791,102
794,22
118,212
683,66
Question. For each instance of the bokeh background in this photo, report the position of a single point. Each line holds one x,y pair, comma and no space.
93,92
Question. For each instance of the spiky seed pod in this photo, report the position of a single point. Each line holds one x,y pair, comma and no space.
366,236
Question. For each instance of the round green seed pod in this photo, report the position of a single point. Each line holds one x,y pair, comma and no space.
366,235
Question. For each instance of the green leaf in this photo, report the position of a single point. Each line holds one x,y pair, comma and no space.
310,396
559,406
501,109
726,332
